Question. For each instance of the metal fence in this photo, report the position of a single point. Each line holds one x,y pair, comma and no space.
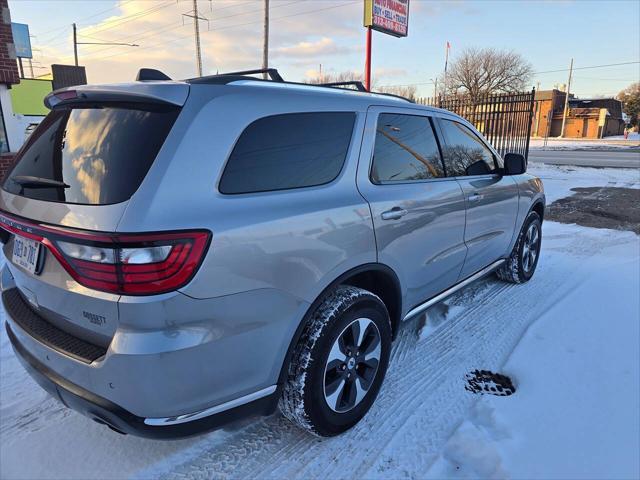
504,118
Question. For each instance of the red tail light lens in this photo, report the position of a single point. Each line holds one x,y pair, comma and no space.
127,264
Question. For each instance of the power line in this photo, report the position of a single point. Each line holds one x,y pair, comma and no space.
232,26
546,71
586,68
64,27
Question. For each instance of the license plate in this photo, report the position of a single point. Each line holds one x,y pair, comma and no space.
25,253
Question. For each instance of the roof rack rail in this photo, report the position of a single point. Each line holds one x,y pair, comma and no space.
145,74
355,83
272,72
228,77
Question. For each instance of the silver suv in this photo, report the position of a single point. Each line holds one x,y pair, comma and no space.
183,253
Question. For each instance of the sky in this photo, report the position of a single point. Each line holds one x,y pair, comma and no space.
308,33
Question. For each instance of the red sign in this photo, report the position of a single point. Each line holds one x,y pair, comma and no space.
387,16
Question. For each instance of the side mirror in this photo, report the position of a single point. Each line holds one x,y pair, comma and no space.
514,164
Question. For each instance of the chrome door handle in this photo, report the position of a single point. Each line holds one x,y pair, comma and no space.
475,197
394,214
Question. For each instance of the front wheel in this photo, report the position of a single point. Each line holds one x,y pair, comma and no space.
339,363
522,262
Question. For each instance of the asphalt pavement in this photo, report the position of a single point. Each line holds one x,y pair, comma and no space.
617,158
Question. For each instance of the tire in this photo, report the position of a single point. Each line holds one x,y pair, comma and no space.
522,263
327,397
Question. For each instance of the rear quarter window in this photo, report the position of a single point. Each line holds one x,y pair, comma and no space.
288,151
97,154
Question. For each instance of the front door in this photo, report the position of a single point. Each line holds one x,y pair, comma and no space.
492,199
418,213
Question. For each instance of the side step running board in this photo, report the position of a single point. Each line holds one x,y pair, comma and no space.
423,306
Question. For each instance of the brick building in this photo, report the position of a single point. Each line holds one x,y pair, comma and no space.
587,118
8,76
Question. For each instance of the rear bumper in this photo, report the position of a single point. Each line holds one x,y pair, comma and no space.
117,418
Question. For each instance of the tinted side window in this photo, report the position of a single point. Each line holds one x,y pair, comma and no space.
464,153
289,151
405,150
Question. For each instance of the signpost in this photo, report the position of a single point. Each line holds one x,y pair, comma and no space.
22,42
386,16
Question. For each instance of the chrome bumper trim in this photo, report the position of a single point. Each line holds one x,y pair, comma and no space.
189,417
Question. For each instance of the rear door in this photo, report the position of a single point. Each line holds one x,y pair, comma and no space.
418,213
78,169
491,199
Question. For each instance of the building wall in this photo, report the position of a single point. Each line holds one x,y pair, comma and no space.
8,66
6,160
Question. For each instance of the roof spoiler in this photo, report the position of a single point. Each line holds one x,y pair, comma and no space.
145,93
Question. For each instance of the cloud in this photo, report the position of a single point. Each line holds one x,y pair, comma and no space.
324,46
302,35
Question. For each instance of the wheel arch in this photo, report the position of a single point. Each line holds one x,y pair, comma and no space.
377,278
538,207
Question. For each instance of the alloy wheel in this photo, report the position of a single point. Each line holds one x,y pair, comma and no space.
530,247
352,365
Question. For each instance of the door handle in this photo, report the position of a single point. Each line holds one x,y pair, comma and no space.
394,214
475,197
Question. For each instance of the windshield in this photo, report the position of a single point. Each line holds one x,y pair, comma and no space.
94,155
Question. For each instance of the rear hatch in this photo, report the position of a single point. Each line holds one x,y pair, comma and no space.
69,187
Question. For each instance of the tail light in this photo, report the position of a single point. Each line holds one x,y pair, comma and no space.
127,264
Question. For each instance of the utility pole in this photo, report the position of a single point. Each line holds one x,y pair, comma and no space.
196,31
75,43
566,100
265,47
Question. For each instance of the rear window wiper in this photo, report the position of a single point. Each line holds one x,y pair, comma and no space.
27,181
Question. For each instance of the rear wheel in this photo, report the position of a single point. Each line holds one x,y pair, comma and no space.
339,363
522,263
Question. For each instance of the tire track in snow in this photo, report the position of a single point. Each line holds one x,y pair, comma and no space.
421,403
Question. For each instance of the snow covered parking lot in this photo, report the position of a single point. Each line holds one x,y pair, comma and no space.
569,339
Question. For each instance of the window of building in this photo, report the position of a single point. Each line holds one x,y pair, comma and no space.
464,153
406,150
289,151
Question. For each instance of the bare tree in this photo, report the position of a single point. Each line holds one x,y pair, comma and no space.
487,70
630,98
408,91
347,76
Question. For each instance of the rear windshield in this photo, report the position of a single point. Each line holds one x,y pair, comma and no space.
93,155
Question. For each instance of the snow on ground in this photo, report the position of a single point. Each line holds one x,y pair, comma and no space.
568,339
605,143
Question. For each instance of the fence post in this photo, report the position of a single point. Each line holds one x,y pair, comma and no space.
531,103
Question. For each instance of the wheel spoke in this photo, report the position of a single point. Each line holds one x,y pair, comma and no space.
336,353
336,396
361,391
534,240
362,323
373,353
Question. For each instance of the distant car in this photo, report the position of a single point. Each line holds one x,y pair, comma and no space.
29,130
184,253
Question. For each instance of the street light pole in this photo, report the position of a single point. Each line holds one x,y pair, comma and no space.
75,44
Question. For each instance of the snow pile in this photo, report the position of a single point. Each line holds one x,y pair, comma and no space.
568,144
575,413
